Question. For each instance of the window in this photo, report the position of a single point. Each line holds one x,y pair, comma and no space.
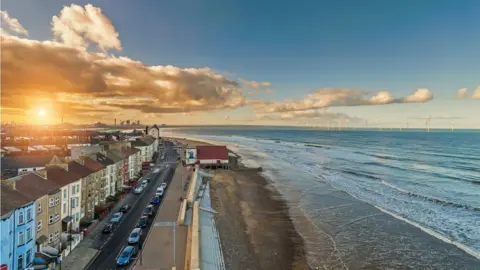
51,202
78,188
73,190
29,234
29,256
73,203
20,218
57,217
57,200
39,207
39,226
21,240
50,219
50,238
20,262
64,208
64,193
29,214
56,235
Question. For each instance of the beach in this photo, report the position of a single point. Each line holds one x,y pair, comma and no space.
332,228
253,222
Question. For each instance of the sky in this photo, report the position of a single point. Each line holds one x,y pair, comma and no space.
318,63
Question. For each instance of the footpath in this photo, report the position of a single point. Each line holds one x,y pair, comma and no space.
93,242
166,242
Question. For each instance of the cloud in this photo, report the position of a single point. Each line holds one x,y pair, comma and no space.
337,97
69,75
269,91
476,93
78,26
421,95
12,24
256,85
313,115
462,93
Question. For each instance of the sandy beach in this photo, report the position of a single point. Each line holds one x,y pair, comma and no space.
255,228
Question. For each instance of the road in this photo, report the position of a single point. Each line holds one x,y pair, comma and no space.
110,250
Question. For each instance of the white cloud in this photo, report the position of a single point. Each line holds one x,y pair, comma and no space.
421,95
12,24
337,97
462,93
78,26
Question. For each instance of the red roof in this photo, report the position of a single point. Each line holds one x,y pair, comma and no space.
219,152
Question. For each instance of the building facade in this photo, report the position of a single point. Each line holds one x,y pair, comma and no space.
17,229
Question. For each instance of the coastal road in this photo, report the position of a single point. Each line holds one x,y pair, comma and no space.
109,252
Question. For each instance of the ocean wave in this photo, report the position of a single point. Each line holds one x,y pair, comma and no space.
435,234
356,173
431,199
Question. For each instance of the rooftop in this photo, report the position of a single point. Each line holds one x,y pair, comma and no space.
17,162
104,159
11,199
79,169
93,164
34,186
61,176
212,152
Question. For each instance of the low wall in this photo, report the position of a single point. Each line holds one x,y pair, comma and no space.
195,244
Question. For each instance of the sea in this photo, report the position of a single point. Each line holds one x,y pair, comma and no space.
368,199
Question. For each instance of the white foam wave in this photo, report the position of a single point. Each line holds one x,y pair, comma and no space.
433,233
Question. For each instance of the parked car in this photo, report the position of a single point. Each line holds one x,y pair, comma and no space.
163,185
142,222
138,190
116,217
149,210
159,193
135,236
108,228
155,200
144,183
125,208
126,256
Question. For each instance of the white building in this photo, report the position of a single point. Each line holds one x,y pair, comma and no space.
71,210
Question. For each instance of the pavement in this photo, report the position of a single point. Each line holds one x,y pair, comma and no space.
161,249
108,252
87,249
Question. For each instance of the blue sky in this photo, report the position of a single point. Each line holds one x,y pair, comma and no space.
300,47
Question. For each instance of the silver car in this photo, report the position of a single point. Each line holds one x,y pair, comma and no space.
135,236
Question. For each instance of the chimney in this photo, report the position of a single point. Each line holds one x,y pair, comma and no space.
146,130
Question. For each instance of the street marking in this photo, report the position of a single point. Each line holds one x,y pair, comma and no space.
164,224
118,255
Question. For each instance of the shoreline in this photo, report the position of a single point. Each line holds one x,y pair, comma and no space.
255,227
386,240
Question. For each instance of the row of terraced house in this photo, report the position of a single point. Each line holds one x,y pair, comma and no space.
44,199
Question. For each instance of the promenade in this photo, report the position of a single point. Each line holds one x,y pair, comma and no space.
161,247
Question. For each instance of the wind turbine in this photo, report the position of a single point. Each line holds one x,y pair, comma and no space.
427,124
453,126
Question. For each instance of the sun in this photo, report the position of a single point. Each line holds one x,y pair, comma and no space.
42,112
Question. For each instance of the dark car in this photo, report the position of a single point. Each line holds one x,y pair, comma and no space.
108,228
125,208
149,211
142,222
155,200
